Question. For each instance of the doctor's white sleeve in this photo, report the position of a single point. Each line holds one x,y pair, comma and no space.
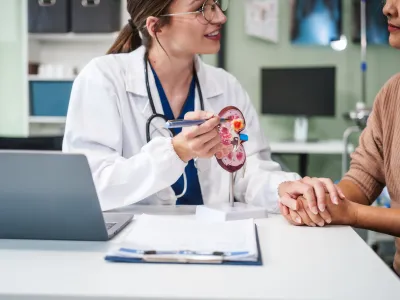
94,128
257,182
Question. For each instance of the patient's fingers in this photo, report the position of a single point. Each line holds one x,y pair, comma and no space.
320,190
295,217
320,219
288,201
286,214
334,191
315,194
284,209
305,217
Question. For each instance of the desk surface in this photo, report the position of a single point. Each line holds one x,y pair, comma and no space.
299,263
319,147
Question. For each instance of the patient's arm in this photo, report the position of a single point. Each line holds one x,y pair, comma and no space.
369,217
353,192
385,220
380,219
305,216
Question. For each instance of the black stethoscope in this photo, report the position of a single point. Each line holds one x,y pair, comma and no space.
153,108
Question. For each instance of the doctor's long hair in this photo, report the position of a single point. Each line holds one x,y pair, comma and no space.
129,39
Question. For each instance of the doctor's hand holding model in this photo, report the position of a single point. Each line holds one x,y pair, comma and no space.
120,103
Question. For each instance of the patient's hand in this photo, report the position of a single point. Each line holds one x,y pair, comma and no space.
303,215
343,214
314,190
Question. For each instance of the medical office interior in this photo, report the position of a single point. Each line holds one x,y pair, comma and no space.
310,68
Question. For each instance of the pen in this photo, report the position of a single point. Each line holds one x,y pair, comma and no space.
183,252
179,123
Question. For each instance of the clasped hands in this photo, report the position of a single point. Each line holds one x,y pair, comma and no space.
315,202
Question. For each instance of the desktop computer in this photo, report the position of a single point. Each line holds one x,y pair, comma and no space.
303,92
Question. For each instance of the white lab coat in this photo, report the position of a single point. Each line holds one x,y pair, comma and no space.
106,121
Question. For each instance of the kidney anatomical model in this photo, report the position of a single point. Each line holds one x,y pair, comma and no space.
230,133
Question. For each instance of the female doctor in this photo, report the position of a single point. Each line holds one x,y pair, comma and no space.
121,101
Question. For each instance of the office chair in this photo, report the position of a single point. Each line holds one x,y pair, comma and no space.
40,143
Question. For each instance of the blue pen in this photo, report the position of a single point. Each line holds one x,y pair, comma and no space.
179,123
187,123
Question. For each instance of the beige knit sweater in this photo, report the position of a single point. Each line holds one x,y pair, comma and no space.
376,161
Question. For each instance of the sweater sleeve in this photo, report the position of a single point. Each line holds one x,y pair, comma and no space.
367,164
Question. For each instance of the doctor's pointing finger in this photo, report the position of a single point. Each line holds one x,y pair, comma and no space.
201,141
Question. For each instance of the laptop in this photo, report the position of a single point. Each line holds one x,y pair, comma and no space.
52,196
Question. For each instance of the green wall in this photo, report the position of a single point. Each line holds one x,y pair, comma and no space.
246,55
13,69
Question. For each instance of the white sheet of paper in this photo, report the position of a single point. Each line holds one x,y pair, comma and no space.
166,234
262,19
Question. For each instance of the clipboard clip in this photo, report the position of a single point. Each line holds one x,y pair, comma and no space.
183,256
185,259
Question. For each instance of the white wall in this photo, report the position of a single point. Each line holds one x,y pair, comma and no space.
13,69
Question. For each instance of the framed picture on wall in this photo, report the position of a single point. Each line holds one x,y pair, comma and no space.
377,26
262,19
315,22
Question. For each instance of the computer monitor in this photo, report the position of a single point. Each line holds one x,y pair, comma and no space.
302,92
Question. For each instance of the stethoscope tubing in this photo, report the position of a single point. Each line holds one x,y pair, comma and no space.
151,101
157,115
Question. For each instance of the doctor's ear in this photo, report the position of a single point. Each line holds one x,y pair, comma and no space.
153,25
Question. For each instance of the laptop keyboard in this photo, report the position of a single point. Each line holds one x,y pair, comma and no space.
110,225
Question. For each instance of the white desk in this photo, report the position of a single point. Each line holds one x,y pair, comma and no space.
334,264
303,150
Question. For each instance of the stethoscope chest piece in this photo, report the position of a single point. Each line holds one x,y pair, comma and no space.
156,115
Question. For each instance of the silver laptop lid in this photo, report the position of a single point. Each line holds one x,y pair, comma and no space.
48,195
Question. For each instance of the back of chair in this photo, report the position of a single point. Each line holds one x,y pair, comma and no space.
45,143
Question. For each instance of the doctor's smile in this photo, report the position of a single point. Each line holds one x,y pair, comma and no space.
215,35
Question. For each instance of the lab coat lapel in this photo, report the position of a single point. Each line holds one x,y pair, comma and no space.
157,123
210,86
135,83
210,89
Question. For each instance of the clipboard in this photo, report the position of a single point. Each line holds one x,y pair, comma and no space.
195,260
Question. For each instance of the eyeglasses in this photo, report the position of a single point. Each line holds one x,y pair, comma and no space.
208,9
